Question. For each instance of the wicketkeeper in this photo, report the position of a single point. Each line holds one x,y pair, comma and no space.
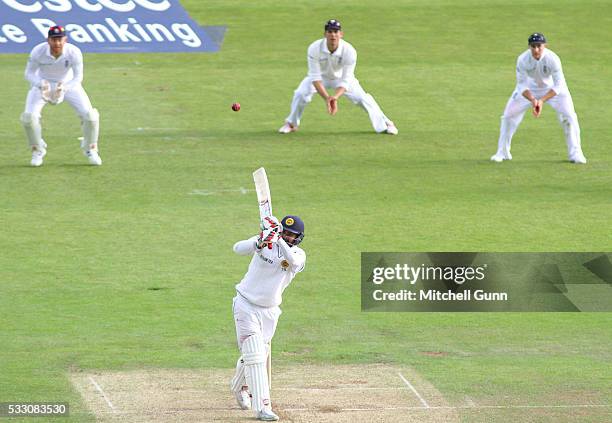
55,73
276,260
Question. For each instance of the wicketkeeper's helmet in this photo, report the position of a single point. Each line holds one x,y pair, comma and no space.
295,225
56,32
536,38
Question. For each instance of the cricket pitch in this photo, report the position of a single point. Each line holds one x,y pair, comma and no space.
304,393
300,393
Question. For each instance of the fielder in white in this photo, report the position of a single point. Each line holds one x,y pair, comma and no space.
55,73
276,260
331,65
539,80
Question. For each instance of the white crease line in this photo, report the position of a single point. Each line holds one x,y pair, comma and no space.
99,389
460,407
470,402
414,390
205,192
347,388
535,406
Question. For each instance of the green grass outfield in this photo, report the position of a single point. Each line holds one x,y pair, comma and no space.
82,247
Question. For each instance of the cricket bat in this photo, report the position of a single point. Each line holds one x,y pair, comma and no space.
263,192
265,209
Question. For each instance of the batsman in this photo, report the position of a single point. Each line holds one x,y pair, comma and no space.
276,260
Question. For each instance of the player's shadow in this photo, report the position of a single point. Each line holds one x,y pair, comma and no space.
14,167
266,134
319,133
75,165
488,162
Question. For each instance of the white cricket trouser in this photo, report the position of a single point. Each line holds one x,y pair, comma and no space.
304,92
251,319
517,106
75,96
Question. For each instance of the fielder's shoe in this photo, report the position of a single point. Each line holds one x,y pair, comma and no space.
391,128
287,128
243,399
578,158
93,157
500,157
37,156
267,415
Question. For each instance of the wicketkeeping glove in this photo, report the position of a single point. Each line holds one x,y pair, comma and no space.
57,94
45,90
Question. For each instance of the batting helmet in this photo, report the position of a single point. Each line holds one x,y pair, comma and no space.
295,225
536,38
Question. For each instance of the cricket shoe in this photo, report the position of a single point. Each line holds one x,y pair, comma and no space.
391,128
93,157
578,158
500,157
267,415
287,128
37,156
243,399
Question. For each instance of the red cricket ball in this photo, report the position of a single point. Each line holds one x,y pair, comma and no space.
236,107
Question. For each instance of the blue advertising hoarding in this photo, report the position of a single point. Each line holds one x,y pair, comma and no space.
106,26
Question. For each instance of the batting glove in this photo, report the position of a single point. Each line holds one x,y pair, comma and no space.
271,222
267,237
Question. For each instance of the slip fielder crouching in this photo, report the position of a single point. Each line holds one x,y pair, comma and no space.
539,80
331,66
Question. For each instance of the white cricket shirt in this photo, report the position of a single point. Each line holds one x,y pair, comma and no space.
67,69
339,65
545,73
269,273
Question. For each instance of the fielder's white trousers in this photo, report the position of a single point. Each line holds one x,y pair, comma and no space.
251,319
75,96
304,92
517,106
